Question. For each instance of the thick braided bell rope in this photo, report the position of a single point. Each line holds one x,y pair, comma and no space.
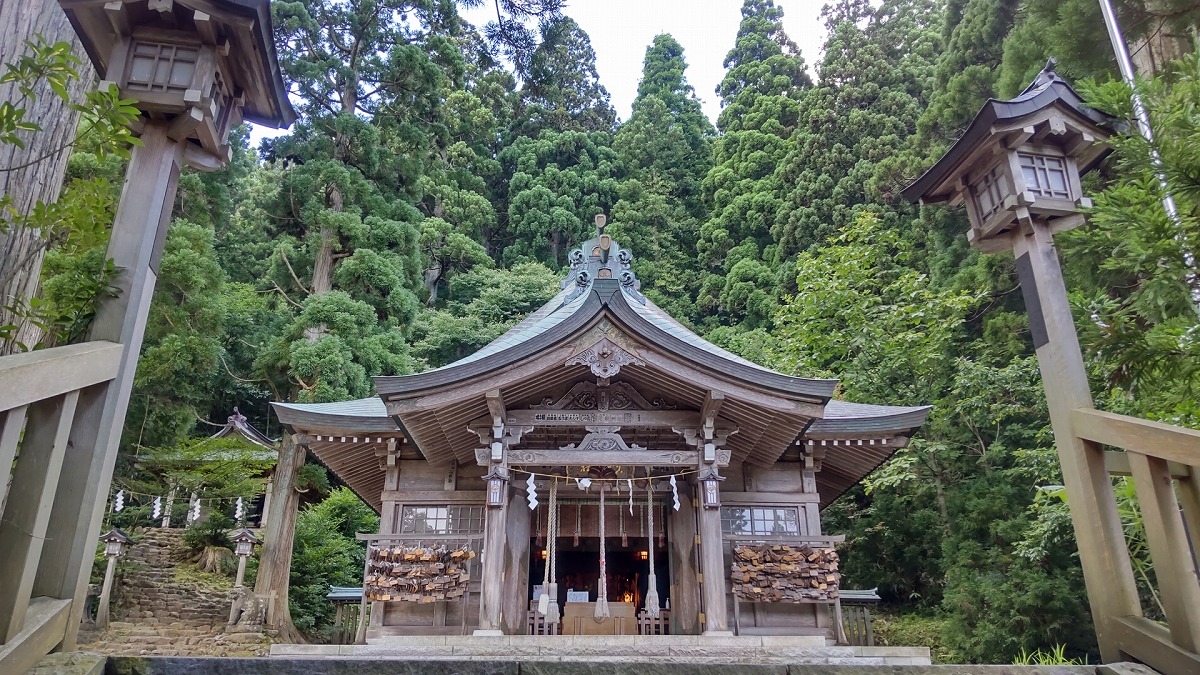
602,594
550,582
651,580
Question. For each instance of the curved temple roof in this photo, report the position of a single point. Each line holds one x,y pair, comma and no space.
600,310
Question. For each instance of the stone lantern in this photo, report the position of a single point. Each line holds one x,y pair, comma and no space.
115,542
244,543
1019,161
1017,170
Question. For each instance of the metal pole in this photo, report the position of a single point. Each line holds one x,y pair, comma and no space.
1143,121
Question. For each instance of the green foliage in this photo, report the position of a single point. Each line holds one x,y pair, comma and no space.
562,90
209,467
1136,290
325,553
211,532
909,629
1055,656
312,477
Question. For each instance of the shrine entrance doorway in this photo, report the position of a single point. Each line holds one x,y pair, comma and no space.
629,554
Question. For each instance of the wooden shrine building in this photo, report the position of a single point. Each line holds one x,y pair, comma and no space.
699,456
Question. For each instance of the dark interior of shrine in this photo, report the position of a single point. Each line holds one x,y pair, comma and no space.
628,570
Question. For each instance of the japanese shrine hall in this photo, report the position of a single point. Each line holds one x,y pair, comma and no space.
490,470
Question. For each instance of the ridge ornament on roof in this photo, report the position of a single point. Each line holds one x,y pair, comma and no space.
602,258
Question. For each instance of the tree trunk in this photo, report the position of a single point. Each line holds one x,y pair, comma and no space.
275,561
20,254
1160,45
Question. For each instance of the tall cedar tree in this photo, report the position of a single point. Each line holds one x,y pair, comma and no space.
760,100
370,76
562,90
665,148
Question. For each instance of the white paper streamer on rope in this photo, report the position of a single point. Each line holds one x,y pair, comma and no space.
238,511
157,508
675,493
531,488
195,514
629,484
119,501
584,483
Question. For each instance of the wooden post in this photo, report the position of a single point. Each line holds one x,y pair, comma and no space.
262,521
712,566
275,560
166,517
1167,537
26,522
135,244
685,585
1103,555
514,617
491,591
105,593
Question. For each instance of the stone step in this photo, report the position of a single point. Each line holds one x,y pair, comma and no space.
297,666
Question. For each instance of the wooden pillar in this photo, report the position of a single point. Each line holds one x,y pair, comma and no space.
262,521
166,513
685,584
514,615
391,483
135,245
275,560
491,592
1103,555
712,567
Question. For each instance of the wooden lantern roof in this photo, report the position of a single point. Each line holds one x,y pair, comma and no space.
600,346
244,25
1047,107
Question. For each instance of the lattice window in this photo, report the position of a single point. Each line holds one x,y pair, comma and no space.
162,67
441,520
1045,176
990,192
759,521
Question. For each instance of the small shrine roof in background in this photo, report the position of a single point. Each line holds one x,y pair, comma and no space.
237,425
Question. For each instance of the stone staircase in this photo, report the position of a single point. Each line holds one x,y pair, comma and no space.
157,614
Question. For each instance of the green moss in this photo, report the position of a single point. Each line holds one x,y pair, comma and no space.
189,574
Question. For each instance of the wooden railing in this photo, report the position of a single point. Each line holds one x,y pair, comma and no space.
1164,462
46,542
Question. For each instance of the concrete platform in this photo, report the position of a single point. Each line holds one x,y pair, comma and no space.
693,649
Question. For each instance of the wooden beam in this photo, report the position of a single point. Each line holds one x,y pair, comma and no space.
1150,643
708,411
548,457
206,27
1167,539
658,419
38,375
27,512
115,11
45,623
1117,464
1166,441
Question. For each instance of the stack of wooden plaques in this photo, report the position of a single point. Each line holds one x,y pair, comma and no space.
416,574
785,573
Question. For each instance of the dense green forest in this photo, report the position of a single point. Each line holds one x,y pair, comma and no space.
440,173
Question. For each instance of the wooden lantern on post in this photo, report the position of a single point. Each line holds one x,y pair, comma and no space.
1019,161
202,65
1017,170
194,68
497,481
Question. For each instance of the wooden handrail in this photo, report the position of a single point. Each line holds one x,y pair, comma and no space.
36,376
1165,441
